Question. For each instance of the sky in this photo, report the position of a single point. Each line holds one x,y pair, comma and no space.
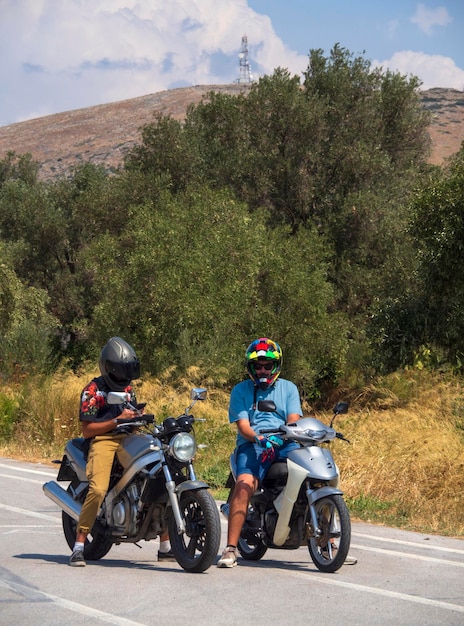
61,55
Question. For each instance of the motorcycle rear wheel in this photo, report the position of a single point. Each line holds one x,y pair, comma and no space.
333,519
96,545
196,549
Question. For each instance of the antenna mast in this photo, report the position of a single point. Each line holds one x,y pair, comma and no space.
245,70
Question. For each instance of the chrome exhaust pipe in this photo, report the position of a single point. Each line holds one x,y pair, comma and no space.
62,499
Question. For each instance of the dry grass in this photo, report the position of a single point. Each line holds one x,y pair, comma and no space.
48,414
404,466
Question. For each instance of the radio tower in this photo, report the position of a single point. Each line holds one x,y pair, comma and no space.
245,70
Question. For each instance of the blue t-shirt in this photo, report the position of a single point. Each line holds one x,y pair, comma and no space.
284,394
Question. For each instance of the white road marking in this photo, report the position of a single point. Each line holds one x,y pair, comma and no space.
29,471
391,594
14,509
409,555
34,594
424,545
380,592
27,525
27,480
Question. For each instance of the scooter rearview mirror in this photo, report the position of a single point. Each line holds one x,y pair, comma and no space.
267,406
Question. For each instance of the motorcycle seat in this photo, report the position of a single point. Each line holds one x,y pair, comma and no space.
82,444
79,442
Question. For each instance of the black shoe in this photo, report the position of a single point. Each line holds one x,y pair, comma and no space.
77,559
166,556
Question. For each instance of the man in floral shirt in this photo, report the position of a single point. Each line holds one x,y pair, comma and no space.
119,366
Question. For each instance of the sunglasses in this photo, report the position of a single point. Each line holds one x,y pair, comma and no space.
266,366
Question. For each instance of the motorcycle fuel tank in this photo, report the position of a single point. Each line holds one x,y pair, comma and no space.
135,446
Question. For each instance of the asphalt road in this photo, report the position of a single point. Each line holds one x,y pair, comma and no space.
400,577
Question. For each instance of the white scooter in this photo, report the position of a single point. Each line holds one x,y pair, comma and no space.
299,502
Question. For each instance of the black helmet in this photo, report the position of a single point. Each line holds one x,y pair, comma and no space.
119,364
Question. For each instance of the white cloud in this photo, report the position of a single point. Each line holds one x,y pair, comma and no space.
426,18
433,70
70,54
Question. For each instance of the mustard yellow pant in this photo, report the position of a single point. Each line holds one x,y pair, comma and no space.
99,464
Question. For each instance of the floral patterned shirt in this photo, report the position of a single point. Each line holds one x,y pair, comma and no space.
94,407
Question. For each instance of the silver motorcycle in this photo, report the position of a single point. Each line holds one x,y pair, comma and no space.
153,488
299,502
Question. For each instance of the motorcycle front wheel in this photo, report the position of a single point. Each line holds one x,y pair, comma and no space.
96,545
196,549
330,549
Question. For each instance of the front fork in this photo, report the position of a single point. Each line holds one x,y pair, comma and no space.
171,488
313,496
175,492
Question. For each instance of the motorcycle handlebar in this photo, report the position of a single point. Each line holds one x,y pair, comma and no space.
140,420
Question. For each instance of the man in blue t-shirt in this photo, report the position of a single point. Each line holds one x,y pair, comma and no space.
255,452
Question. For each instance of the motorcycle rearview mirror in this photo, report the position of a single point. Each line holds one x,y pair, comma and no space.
198,393
117,397
268,406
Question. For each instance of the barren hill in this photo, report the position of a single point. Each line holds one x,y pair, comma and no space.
103,134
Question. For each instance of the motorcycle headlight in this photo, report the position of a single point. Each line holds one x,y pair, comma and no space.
183,447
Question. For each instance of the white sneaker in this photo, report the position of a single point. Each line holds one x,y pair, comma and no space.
77,559
228,558
351,560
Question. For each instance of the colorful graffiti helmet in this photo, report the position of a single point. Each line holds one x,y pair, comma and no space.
263,348
119,364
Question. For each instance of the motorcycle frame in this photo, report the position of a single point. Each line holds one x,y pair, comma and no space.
73,466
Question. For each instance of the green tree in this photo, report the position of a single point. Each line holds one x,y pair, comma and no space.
18,167
26,326
195,277
426,318
166,152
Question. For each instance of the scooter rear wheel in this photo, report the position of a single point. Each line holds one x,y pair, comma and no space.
250,544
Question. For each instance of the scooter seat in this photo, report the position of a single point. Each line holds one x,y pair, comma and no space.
277,470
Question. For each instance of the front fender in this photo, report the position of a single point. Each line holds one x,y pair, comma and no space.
314,495
190,485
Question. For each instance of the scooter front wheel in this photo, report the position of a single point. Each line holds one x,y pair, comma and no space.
329,549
